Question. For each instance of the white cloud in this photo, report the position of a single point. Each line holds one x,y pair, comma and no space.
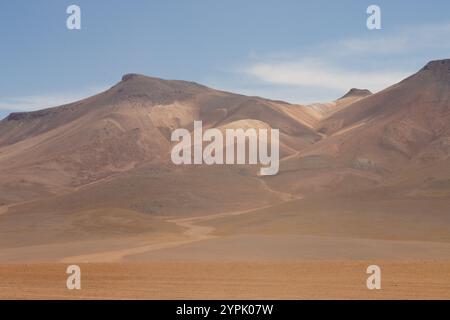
374,62
322,75
403,40
380,45
42,101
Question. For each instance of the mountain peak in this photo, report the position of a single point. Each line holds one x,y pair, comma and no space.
355,92
438,65
436,70
134,86
130,76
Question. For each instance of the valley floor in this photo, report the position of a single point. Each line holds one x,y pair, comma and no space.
300,249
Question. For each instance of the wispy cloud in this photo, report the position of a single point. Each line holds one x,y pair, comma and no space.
41,101
320,74
375,61
409,39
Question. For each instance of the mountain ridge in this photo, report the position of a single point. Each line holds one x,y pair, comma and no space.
128,126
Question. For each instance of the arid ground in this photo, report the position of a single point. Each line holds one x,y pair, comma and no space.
236,255
363,180
228,280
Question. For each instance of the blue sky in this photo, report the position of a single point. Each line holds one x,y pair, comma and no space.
299,51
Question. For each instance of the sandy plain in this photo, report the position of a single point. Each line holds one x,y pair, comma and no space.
223,256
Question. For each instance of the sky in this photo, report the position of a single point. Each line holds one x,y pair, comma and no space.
297,51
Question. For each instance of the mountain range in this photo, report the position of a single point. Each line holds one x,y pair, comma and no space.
100,167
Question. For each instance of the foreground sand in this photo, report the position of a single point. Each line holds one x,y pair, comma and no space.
228,280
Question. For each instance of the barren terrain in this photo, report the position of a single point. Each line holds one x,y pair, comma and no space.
363,180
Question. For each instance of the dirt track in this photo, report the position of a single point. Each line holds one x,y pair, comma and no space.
193,232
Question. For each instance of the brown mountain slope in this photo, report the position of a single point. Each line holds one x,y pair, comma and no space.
53,150
423,98
362,140
399,123
324,110
399,135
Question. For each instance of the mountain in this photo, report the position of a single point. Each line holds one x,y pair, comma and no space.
356,93
100,168
396,135
323,110
58,149
400,123
364,137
